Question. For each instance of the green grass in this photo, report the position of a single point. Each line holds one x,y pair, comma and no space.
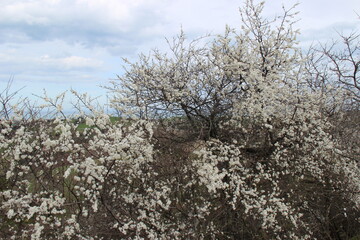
114,119
83,125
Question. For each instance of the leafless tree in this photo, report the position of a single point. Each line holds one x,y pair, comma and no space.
337,65
8,100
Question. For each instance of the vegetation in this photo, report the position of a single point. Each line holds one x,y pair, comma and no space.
242,137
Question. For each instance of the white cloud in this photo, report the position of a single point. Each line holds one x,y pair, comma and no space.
80,20
13,64
71,63
111,23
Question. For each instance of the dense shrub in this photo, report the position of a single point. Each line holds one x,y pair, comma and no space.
230,140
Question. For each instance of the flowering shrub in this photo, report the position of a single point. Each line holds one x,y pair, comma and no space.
63,183
275,183
229,141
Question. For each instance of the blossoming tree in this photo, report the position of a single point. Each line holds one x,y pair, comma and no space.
262,160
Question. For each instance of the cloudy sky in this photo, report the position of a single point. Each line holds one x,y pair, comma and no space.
79,44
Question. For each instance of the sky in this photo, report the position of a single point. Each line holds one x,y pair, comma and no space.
60,45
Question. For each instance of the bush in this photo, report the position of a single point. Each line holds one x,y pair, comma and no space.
228,141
